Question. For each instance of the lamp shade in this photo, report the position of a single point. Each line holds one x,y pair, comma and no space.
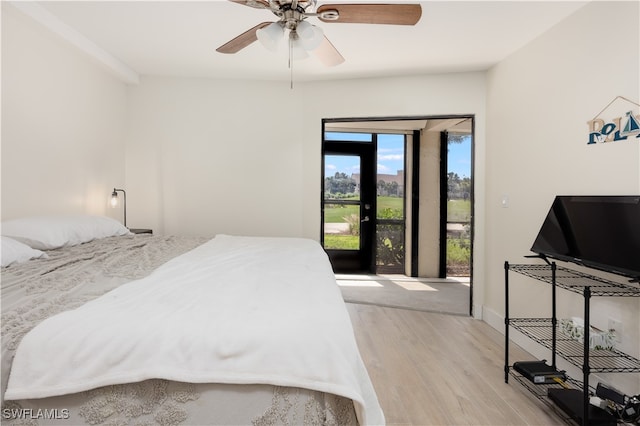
297,50
114,199
310,35
271,36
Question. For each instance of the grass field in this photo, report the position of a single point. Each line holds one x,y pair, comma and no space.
394,203
458,253
458,210
341,242
336,213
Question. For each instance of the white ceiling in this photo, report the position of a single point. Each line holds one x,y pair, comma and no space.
179,38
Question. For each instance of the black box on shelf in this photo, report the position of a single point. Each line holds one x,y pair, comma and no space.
539,372
571,401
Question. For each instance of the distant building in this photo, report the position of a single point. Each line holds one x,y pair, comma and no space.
398,179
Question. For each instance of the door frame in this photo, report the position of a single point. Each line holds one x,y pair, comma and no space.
416,178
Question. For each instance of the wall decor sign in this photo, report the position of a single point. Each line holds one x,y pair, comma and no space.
615,129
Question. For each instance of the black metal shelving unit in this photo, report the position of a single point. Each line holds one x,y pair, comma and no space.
545,331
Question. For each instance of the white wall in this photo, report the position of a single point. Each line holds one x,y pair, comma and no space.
538,104
207,157
63,124
211,156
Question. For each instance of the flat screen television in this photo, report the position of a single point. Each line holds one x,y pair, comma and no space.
601,232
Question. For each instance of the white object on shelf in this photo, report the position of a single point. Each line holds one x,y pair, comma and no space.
598,339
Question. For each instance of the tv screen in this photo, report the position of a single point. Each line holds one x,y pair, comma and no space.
601,232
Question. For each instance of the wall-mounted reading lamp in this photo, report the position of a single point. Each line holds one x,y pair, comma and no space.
114,202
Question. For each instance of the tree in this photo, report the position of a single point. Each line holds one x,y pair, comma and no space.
457,137
340,183
458,188
388,188
392,188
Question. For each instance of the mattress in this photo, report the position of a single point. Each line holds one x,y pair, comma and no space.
36,292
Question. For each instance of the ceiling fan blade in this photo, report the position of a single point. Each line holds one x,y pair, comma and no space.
256,4
242,41
328,54
393,14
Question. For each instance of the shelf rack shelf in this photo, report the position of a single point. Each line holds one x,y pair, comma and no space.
601,360
540,391
545,331
576,281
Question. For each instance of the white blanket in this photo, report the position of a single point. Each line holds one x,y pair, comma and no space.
234,310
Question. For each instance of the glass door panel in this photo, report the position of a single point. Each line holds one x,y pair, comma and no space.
459,204
341,227
390,211
342,202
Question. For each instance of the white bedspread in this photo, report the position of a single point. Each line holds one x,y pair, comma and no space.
234,310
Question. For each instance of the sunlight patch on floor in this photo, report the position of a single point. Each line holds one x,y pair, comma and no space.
358,283
449,295
414,285
407,283
460,280
359,277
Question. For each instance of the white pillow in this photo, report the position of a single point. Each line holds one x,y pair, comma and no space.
50,232
15,252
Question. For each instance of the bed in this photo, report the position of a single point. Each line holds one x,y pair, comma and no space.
100,326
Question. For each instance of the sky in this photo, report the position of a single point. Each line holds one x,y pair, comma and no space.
390,157
460,158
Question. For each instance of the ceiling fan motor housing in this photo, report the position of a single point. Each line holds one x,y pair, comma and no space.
291,13
291,17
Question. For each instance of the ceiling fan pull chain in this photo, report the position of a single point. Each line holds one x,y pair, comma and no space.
291,62
290,51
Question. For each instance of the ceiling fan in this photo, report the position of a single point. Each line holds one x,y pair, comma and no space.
305,37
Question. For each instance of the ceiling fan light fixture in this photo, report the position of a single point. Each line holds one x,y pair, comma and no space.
298,51
271,36
304,37
310,36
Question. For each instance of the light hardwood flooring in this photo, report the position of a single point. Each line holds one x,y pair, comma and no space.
438,369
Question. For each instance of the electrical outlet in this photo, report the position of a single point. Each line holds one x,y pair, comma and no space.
616,325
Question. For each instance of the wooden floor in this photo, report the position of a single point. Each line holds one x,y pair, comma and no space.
438,369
